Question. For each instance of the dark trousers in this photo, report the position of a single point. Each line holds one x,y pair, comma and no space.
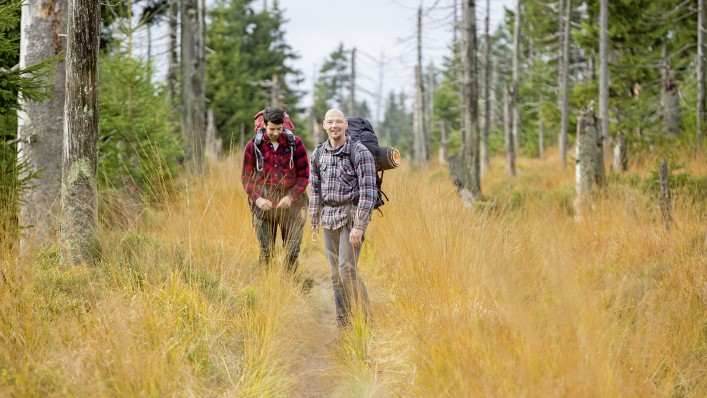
291,224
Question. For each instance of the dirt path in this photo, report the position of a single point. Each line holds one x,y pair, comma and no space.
315,369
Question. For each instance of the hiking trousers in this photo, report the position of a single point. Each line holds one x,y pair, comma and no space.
350,294
291,224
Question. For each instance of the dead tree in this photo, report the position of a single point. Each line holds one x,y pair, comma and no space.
470,97
620,154
485,162
565,23
419,124
40,124
604,71
665,199
79,210
508,131
671,99
589,172
193,88
515,97
701,101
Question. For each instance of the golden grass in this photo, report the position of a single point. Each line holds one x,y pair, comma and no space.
514,298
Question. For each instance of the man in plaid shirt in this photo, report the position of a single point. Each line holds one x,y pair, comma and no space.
275,176
341,201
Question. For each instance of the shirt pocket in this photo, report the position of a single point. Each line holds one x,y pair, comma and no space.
347,173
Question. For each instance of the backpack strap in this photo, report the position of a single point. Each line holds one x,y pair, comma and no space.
316,155
291,142
352,153
258,139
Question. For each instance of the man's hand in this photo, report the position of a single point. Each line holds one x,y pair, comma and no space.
263,204
355,237
285,202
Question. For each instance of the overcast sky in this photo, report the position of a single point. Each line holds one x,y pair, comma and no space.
377,29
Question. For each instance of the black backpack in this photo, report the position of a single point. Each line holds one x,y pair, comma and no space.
360,130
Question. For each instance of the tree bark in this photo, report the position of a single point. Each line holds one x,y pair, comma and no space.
173,67
193,74
701,101
485,161
665,199
671,100
508,132
604,71
213,143
515,98
79,211
39,130
470,108
589,172
419,123
443,142
620,154
565,23
352,85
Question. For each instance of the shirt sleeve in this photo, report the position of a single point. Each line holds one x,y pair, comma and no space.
366,172
302,167
315,197
249,172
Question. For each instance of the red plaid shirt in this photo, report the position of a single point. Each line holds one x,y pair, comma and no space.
279,176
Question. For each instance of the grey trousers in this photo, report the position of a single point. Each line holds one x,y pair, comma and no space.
350,294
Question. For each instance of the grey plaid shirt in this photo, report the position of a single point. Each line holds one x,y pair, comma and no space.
335,187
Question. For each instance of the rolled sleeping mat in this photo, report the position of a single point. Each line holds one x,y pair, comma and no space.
387,157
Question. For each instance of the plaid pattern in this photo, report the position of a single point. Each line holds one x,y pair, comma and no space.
277,178
335,189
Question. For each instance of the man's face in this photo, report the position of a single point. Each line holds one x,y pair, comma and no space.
274,131
335,125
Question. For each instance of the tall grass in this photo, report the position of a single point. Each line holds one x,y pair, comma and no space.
513,298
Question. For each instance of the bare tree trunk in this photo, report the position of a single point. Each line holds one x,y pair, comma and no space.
193,72
79,211
589,172
379,92
620,154
565,23
277,97
604,71
40,124
316,127
429,100
515,98
493,101
485,161
443,142
671,100
665,205
700,73
541,139
508,132
213,143
419,124
173,67
352,85
470,106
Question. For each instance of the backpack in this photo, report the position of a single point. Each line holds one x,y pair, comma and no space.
386,158
259,127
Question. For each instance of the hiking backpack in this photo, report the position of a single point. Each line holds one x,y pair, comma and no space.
259,127
386,158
